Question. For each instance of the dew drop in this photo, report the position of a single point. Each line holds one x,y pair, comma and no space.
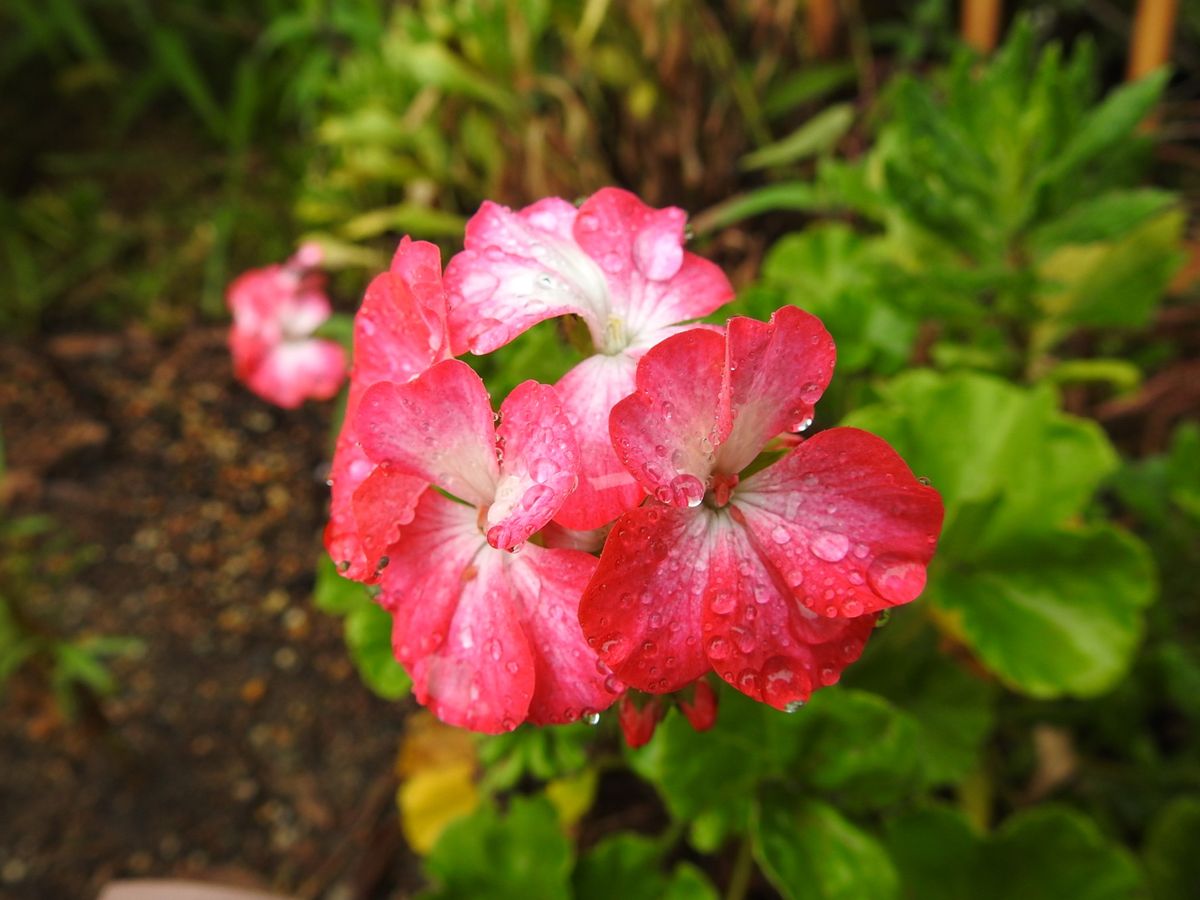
830,546
780,535
591,716
718,648
896,579
828,676
723,603
810,393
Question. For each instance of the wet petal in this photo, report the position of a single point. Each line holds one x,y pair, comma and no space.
438,426
642,610
844,522
517,269
665,434
540,466
295,371
453,608
605,488
760,639
571,682
777,370
653,282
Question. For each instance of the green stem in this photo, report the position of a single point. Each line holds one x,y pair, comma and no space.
743,870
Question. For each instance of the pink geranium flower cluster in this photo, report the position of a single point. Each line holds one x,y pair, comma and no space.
617,530
275,310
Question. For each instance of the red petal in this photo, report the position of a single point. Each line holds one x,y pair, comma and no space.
653,282
844,522
456,625
777,371
701,711
438,426
517,269
638,724
399,332
540,467
642,610
382,504
666,432
570,681
761,640
605,488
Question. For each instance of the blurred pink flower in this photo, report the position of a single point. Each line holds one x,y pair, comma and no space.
275,311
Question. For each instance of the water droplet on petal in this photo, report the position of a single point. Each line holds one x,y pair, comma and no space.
718,648
896,579
830,546
591,716
780,535
810,393
723,603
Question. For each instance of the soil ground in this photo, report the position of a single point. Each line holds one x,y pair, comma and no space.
240,746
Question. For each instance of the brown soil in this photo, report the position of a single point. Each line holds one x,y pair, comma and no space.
241,746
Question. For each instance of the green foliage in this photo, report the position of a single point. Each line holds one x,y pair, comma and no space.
367,628
1051,604
520,855
809,851
1047,852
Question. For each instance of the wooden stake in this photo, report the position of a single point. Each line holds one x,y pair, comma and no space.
1153,31
821,21
981,24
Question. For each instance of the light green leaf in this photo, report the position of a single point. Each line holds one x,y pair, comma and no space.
369,639
810,83
818,135
808,851
1103,218
1054,614
520,856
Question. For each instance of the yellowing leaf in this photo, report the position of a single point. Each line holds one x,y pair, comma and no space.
572,796
436,765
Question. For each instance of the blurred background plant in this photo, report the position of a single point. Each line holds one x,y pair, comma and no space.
1003,248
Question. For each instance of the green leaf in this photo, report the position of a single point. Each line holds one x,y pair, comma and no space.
1045,853
952,708
1110,122
334,594
411,218
520,856
1048,853
1114,284
689,883
859,746
808,851
1057,614
816,136
1104,218
810,83
1005,460
1170,850
624,865
796,196
750,742
936,853
369,638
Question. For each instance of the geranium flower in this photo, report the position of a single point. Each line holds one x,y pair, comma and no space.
772,580
399,332
616,263
490,637
275,311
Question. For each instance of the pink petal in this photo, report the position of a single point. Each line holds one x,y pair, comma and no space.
570,682
384,502
517,269
642,610
844,522
653,282
540,466
666,432
399,332
605,488
777,371
295,371
638,724
438,426
456,623
760,640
